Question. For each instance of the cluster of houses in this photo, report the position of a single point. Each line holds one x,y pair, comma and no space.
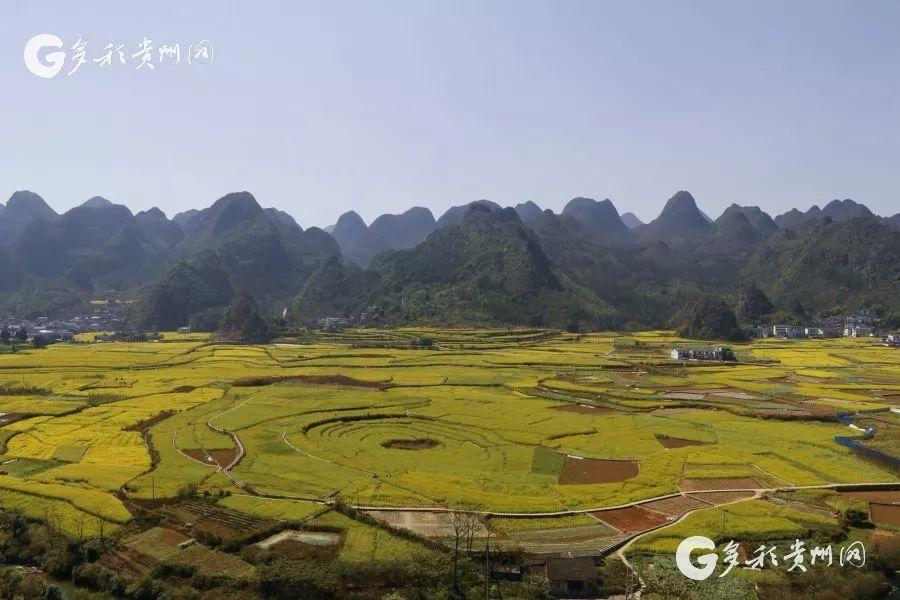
103,316
720,354
50,329
339,323
862,323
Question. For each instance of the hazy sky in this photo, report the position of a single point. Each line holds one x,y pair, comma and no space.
320,107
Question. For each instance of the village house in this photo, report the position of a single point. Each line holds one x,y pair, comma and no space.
569,577
334,324
788,331
759,331
720,353
56,335
858,331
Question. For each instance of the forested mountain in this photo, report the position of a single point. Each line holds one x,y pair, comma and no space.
260,250
601,217
894,221
158,230
478,263
193,290
836,210
602,278
831,264
22,208
527,211
97,244
360,243
186,219
455,214
631,220
680,222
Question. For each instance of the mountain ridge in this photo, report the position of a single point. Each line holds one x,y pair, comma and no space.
485,264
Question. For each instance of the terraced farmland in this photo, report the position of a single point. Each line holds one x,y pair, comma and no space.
512,422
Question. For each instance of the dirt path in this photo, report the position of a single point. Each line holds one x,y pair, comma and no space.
581,511
621,552
325,460
226,470
183,453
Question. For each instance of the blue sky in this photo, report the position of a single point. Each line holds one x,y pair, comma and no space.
320,107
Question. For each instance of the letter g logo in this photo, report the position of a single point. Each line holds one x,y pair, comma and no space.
683,557
55,59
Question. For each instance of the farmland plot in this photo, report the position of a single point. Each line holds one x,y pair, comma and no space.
526,421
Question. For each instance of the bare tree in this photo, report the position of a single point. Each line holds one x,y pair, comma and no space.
462,524
487,558
456,523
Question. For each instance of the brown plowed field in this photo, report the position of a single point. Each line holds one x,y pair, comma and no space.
223,457
425,524
724,497
889,514
719,483
631,519
675,507
593,470
880,496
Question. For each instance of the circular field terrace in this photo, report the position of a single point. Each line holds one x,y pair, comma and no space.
385,443
445,461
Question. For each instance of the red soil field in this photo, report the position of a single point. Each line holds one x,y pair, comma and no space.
592,470
223,457
631,519
888,514
881,496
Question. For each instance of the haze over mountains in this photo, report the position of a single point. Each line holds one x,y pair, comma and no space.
476,263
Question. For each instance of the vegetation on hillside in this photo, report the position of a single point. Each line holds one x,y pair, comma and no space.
709,318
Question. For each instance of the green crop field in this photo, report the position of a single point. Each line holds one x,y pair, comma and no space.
506,421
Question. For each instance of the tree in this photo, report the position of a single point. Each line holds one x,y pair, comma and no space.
22,334
753,304
708,318
145,589
5,334
536,587
856,516
243,321
292,579
40,341
463,525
